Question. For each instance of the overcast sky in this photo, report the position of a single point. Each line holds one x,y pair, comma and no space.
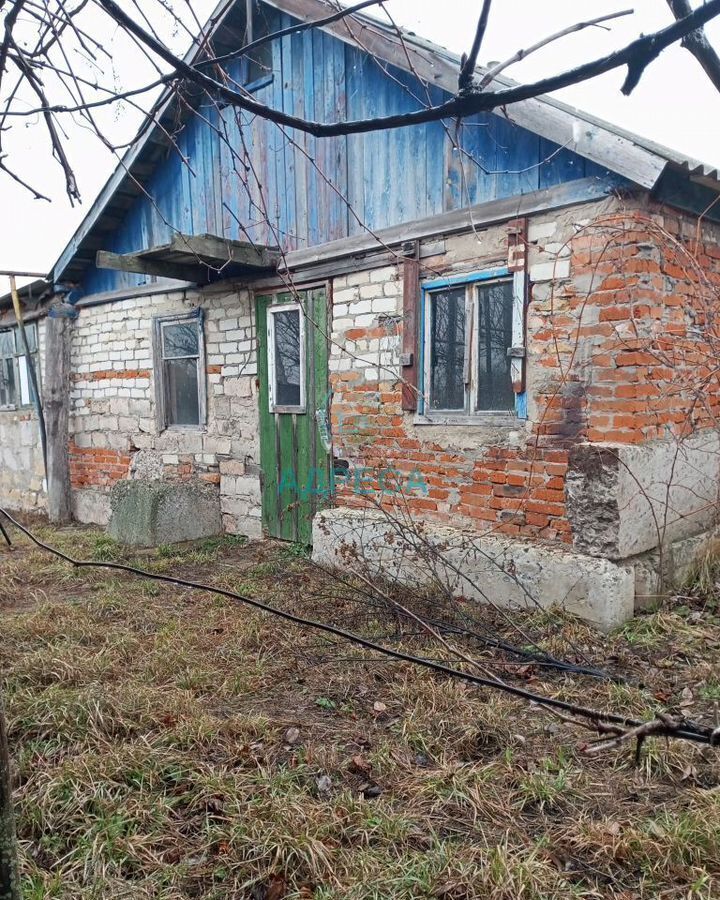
675,103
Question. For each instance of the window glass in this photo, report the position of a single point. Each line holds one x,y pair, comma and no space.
258,64
7,343
16,388
8,388
181,371
288,358
31,335
180,340
447,349
494,338
181,389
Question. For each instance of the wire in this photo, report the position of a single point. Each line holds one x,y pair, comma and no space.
687,731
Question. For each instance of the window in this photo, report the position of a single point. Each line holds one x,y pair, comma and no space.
16,388
469,336
180,370
286,358
257,66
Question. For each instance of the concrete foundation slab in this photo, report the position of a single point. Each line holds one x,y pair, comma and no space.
659,573
505,572
623,500
151,513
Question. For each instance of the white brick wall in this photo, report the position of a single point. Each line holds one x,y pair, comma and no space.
118,411
368,300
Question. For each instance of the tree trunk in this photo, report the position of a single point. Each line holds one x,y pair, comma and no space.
9,872
58,329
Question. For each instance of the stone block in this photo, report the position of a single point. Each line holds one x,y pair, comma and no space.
91,507
149,513
550,271
623,500
502,572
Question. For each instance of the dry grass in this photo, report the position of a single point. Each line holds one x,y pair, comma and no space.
150,727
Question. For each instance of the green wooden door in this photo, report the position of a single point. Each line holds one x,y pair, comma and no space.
294,410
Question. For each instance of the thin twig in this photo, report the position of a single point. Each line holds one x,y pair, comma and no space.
523,54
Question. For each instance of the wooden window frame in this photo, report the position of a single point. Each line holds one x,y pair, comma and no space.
272,311
469,415
18,357
197,318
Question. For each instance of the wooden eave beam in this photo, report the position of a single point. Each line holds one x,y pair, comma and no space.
216,252
129,262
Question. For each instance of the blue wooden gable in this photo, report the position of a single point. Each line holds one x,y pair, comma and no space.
281,187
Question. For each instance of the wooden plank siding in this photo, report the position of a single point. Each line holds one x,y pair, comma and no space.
386,177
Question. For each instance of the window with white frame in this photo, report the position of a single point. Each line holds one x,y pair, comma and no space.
470,331
286,357
180,370
16,387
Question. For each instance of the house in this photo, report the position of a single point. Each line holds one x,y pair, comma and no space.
504,329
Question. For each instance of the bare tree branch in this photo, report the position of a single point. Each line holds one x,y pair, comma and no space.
697,43
523,54
284,32
636,56
469,63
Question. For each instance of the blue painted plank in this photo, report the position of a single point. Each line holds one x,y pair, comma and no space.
289,219
386,177
518,157
355,90
558,165
311,143
301,151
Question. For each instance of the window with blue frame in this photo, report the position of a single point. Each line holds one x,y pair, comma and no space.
468,347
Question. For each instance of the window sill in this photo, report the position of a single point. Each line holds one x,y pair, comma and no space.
184,428
481,420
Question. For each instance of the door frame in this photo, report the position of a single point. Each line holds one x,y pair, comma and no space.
308,332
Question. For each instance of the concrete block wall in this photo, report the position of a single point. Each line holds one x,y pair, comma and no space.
22,472
113,421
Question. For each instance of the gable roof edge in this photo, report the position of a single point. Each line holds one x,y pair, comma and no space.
599,141
641,161
122,169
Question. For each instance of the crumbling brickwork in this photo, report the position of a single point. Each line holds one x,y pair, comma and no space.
114,424
619,336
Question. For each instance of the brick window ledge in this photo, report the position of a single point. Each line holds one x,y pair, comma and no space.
480,420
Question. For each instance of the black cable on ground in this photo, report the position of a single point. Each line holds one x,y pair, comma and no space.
686,731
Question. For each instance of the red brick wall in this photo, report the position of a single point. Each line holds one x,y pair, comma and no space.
95,467
621,346
644,299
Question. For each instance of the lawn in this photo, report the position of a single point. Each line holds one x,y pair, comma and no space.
171,743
